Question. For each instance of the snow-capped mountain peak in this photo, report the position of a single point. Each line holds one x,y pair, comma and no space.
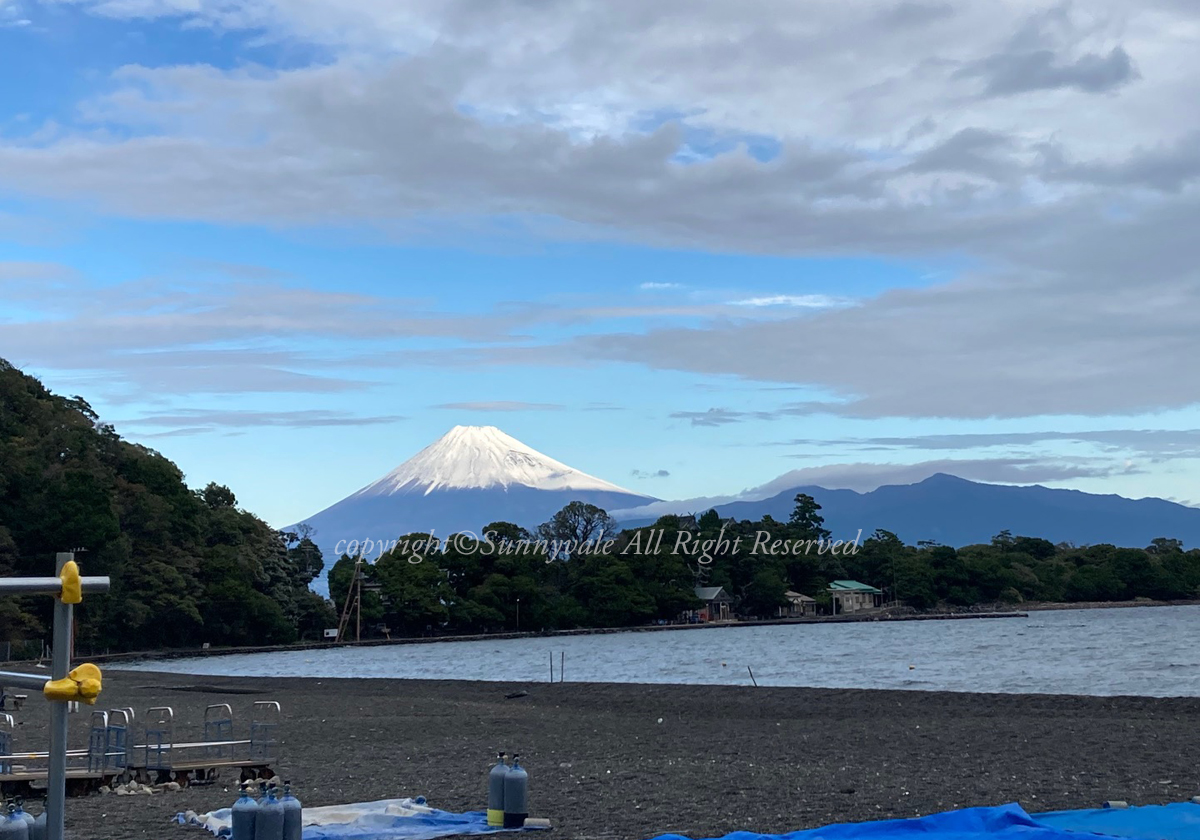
479,457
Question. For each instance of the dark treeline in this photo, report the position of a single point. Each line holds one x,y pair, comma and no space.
189,567
649,574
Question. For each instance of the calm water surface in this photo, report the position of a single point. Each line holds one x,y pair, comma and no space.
1152,651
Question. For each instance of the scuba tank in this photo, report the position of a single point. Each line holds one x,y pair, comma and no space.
293,822
268,822
37,831
244,812
495,806
516,790
13,827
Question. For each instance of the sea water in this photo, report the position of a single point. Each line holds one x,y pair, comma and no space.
1149,651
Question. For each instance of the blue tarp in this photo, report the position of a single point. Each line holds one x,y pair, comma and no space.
1006,822
1178,821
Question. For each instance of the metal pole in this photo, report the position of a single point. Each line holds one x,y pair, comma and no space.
60,665
49,585
8,679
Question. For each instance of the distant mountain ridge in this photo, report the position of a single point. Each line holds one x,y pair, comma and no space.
954,511
475,475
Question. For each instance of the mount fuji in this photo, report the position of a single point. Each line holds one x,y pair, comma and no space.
468,478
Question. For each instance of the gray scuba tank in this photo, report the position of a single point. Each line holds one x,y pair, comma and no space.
268,822
37,831
516,791
495,806
293,821
244,812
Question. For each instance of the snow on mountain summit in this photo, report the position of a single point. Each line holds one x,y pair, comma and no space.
480,457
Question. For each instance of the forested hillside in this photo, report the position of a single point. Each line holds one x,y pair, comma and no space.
464,584
187,566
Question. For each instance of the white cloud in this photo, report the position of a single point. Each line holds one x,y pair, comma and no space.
12,15
443,107
186,421
1049,145
1070,344
242,328
798,301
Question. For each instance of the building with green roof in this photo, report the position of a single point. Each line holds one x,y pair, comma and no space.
851,596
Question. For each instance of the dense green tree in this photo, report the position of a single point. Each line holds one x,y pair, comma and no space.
574,525
187,566
806,518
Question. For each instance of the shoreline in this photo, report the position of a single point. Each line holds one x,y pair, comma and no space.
537,634
986,613
630,762
1039,606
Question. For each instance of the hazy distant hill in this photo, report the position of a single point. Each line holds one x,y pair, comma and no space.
957,512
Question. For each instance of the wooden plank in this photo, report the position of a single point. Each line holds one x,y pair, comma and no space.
35,776
217,765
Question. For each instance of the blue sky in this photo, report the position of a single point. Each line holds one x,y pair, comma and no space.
288,246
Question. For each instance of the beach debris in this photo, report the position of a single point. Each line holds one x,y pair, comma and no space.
516,694
1115,803
660,720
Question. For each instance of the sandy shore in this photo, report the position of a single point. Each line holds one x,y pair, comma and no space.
602,765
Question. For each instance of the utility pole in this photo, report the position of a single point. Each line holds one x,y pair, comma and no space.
353,604
67,685
895,583
518,615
